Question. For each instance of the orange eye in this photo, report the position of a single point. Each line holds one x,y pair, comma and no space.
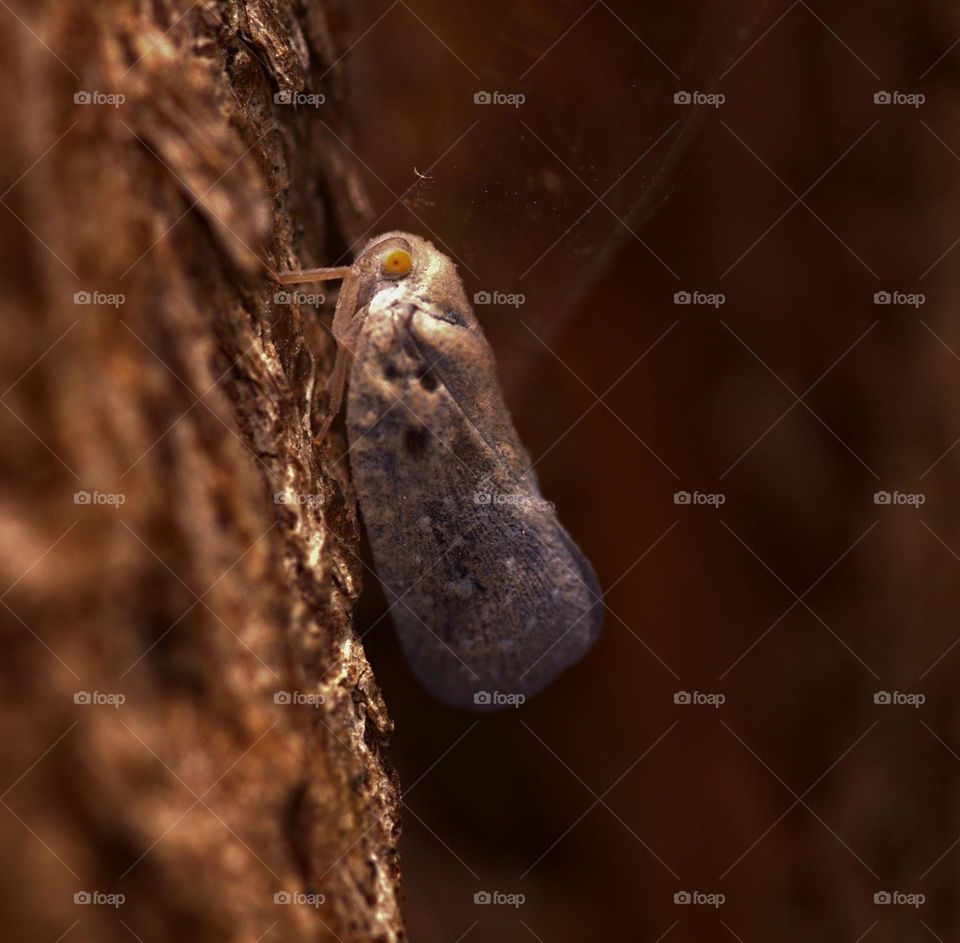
396,263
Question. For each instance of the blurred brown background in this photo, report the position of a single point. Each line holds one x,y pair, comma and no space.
778,180
797,599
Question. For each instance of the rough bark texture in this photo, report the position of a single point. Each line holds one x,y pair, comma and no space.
200,598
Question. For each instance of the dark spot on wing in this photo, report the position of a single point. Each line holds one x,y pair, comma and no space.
428,380
415,441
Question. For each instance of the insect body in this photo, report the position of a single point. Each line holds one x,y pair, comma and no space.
490,597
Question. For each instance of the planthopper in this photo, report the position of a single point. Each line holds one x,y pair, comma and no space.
490,596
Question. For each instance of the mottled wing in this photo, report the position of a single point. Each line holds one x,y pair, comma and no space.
490,596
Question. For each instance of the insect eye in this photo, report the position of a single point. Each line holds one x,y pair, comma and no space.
396,263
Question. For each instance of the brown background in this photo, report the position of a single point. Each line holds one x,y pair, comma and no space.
513,805
797,600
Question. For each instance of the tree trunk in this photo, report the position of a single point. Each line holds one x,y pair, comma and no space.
191,724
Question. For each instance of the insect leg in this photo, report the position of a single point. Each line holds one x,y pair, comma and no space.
345,329
313,275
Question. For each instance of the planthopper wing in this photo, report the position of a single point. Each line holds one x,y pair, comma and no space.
490,597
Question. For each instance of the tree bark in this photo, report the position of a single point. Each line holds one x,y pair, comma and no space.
190,720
